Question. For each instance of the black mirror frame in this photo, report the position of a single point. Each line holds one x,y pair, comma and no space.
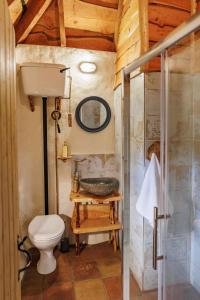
108,117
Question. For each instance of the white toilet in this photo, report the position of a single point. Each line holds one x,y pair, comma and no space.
45,233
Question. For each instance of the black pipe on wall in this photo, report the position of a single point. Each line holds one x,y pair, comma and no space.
45,150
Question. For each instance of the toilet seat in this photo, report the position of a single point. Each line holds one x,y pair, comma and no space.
44,228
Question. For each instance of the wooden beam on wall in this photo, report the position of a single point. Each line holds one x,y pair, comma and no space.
61,23
34,12
15,8
144,25
118,21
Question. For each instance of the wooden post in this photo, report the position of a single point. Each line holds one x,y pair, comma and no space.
61,23
9,216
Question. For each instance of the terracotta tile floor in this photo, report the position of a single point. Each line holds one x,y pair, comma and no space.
94,275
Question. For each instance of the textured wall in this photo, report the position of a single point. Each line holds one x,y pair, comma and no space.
83,85
98,148
195,238
137,169
145,129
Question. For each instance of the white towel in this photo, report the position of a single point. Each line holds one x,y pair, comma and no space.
150,191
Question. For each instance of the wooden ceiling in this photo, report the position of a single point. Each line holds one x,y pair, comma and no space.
88,24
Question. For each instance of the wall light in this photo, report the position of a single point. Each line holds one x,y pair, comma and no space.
87,67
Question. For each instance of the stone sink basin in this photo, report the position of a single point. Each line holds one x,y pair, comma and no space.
100,186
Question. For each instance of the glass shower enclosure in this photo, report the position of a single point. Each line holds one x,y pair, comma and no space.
173,244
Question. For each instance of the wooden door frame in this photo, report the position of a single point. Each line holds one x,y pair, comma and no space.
9,217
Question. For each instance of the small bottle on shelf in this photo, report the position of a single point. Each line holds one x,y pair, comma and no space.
65,150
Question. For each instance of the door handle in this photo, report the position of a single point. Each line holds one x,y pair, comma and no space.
157,217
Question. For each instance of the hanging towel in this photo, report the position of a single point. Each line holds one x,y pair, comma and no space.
150,191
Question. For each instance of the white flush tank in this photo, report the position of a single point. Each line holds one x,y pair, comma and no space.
41,79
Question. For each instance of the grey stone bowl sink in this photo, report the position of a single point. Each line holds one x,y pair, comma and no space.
100,186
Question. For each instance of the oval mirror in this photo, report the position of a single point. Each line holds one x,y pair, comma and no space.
93,114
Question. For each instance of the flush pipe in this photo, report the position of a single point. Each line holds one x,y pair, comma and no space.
56,164
45,155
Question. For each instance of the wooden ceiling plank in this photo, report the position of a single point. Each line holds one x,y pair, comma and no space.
81,9
179,4
61,23
104,3
79,33
90,25
34,12
80,15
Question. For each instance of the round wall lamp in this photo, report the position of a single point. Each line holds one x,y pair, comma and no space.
87,67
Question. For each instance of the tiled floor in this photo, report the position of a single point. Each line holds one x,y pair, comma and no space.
94,275
136,294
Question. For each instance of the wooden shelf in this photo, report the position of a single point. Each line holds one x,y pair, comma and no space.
86,220
64,159
84,197
96,225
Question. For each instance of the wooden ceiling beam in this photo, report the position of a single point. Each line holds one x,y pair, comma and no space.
34,12
82,15
104,3
61,23
15,8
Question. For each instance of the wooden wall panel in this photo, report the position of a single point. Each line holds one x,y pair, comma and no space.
144,23
9,285
129,41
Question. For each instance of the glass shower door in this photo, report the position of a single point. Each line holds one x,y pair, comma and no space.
182,172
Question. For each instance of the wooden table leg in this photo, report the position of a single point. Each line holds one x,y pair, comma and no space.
114,213
77,215
114,241
77,245
117,237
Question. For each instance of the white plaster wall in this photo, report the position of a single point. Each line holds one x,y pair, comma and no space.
30,158
30,142
83,85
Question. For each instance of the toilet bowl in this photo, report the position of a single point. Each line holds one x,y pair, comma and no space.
45,233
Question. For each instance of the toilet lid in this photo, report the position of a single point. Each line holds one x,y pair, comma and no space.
46,227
